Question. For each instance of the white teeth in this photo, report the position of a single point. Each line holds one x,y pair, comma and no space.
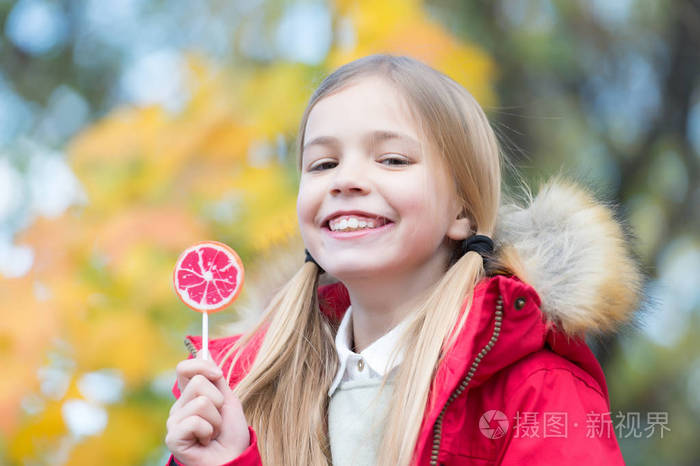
350,223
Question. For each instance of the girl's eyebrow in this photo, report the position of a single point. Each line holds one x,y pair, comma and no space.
373,138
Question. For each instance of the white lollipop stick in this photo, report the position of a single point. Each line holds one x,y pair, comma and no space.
205,336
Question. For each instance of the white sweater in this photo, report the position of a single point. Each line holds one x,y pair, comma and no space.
356,423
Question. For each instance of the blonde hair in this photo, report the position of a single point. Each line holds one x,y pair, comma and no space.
285,393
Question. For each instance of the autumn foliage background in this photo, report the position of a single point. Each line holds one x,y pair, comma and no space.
90,328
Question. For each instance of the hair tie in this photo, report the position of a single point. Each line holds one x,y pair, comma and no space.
311,259
479,243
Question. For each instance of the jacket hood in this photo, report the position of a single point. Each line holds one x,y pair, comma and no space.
575,254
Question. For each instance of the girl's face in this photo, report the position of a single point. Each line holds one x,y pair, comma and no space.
372,197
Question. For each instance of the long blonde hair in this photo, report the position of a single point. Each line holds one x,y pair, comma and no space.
285,393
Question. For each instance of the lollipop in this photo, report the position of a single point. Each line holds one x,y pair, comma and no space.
208,277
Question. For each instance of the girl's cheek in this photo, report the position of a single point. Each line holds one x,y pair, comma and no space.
409,196
307,206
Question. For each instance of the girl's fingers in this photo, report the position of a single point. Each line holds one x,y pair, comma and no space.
188,368
200,386
193,428
201,407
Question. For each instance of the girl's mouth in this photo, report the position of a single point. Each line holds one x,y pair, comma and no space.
352,226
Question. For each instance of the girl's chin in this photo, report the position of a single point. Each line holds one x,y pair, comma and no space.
358,270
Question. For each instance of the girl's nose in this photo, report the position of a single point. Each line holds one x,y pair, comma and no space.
351,177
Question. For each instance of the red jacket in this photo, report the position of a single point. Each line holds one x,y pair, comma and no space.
520,387
533,397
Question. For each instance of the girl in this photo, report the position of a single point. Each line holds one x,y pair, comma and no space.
432,345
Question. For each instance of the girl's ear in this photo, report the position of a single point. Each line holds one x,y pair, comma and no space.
461,227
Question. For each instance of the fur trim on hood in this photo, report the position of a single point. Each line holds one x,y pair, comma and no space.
575,255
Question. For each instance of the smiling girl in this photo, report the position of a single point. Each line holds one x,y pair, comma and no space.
453,330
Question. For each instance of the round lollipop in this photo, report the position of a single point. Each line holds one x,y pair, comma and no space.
208,277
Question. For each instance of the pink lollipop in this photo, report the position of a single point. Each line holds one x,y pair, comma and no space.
208,277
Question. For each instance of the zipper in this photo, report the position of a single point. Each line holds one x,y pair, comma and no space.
190,347
437,428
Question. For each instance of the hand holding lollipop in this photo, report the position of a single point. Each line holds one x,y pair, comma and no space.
208,277
206,424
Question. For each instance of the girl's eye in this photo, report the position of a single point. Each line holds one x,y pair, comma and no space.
322,166
395,161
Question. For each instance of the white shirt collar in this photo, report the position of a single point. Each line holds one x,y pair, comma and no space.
375,356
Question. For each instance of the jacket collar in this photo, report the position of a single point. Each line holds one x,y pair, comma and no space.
525,332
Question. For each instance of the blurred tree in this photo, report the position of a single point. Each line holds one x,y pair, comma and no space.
95,329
